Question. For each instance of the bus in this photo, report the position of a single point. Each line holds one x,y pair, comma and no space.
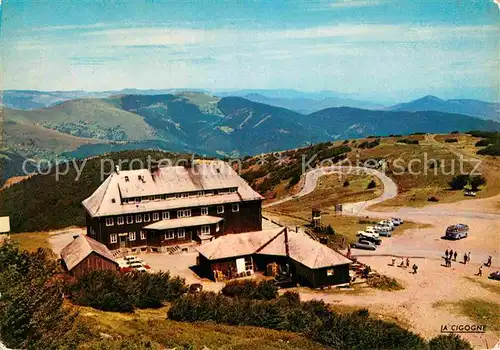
458,231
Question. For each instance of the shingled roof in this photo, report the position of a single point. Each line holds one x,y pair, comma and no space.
301,247
81,247
201,176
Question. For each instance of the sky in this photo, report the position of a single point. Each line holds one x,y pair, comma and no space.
384,50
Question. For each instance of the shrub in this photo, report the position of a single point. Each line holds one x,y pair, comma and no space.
483,143
346,183
449,342
459,182
451,140
369,144
409,141
476,181
491,150
433,199
312,318
112,291
250,289
463,180
384,283
371,184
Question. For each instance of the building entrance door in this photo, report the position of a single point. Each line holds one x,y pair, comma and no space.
123,241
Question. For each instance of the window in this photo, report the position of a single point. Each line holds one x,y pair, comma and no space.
170,234
165,215
138,200
236,207
131,236
248,263
220,209
147,217
143,235
204,211
113,238
205,230
125,201
138,218
209,193
109,222
200,193
130,219
126,179
157,198
120,220
329,272
151,198
217,227
156,216
181,232
184,213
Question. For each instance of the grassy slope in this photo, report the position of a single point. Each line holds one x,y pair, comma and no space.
414,190
155,325
103,113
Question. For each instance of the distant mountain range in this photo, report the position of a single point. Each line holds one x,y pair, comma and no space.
474,108
204,124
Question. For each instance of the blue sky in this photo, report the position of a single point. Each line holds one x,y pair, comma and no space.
385,50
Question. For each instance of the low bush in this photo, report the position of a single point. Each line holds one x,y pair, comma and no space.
384,283
371,184
369,144
451,140
449,342
483,143
251,289
313,319
112,291
409,141
459,182
491,150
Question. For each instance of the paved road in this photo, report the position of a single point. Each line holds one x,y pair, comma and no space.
312,177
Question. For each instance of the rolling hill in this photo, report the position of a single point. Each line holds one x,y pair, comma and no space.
227,126
474,108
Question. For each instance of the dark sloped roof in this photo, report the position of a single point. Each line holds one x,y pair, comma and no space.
81,247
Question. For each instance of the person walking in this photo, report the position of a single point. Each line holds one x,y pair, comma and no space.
468,257
393,261
446,253
480,272
451,254
489,261
455,256
407,262
465,259
415,268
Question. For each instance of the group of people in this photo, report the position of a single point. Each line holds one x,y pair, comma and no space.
405,263
452,255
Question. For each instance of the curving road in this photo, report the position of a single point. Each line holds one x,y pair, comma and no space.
312,177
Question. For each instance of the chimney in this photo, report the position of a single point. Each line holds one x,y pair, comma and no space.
287,251
153,168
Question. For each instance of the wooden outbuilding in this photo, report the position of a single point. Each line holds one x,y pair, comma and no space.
85,254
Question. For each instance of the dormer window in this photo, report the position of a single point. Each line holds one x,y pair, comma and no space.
126,179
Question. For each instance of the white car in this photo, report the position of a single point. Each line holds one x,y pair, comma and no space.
136,265
367,234
397,221
372,231
387,223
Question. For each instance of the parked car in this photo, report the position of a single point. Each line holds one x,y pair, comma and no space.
385,233
136,265
397,221
470,193
495,275
387,223
457,231
362,244
366,234
372,231
375,240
